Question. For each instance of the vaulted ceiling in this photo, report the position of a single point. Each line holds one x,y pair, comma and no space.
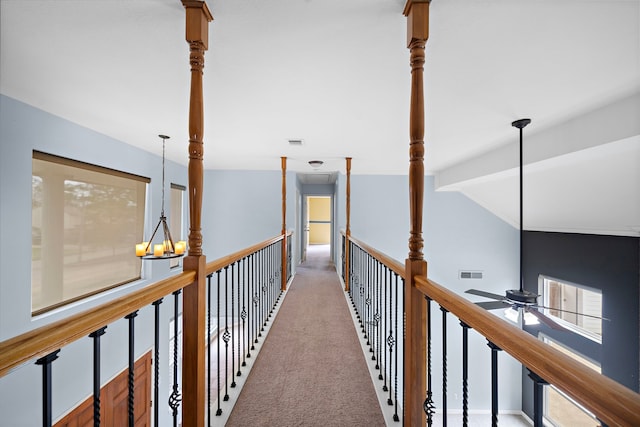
335,73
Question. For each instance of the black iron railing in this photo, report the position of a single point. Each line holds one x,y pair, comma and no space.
247,286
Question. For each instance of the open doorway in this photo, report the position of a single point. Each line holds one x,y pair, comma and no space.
318,224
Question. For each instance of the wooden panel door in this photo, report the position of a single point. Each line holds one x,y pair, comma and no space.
114,399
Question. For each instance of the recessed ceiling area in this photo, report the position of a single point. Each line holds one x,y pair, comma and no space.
336,74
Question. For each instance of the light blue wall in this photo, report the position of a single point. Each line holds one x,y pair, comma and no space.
458,235
240,209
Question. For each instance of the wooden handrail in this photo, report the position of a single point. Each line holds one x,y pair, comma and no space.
46,339
608,400
389,262
216,265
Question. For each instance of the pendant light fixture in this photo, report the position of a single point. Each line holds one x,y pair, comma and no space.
167,248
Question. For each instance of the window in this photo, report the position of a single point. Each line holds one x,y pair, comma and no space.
84,221
558,295
559,409
175,218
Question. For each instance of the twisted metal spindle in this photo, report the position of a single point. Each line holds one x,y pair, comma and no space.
465,374
494,382
395,381
444,366
175,398
131,375
96,374
428,403
156,362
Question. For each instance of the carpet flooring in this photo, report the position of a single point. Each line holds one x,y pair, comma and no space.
311,370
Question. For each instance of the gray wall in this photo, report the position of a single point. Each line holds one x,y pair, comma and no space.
610,264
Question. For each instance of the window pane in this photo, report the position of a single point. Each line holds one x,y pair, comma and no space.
574,299
85,222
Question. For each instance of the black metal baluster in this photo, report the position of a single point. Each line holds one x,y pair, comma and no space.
131,377
233,335
494,382
428,403
226,335
156,362
395,380
538,398
465,374
175,398
385,325
47,398
265,284
219,410
96,374
240,337
209,347
246,307
376,316
391,340
367,301
444,366
256,300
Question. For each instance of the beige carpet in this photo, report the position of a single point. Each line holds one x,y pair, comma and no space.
311,370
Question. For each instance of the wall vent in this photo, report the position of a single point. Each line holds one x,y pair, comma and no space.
296,142
467,274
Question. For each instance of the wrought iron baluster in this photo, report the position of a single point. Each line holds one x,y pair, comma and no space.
47,398
233,335
444,366
131,377
219,410
175,398
379,323
385,326
538,398
256,300
428,403
96,374
156,362
226,335
465,374
209,346
494,382
240,337
395,379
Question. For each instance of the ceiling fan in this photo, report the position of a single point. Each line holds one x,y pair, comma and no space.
522,301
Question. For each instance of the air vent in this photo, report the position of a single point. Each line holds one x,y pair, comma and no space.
466,274
296,142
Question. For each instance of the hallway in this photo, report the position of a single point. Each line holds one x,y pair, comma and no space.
311,370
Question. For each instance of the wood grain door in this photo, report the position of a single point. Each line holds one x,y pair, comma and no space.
114,397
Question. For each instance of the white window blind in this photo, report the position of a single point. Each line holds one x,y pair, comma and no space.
85,221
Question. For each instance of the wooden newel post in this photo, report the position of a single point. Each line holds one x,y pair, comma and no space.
347,259
283,161
198,17
415,379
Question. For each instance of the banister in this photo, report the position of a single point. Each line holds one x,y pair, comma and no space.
46,339
42,341
393,265
608,400
216,265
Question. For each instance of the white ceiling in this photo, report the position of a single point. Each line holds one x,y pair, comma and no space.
335,73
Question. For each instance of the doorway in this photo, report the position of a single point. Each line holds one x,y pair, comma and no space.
318,222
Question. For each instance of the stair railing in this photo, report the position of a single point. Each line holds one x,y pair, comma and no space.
46,344
371,291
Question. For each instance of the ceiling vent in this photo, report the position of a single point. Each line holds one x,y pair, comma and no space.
296,142
470,274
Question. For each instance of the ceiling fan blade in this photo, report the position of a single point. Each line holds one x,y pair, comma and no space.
573,312
544,319
485,294
493,305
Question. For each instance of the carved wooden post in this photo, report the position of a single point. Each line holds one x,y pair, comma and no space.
198,17
347,260
417,13
283,161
